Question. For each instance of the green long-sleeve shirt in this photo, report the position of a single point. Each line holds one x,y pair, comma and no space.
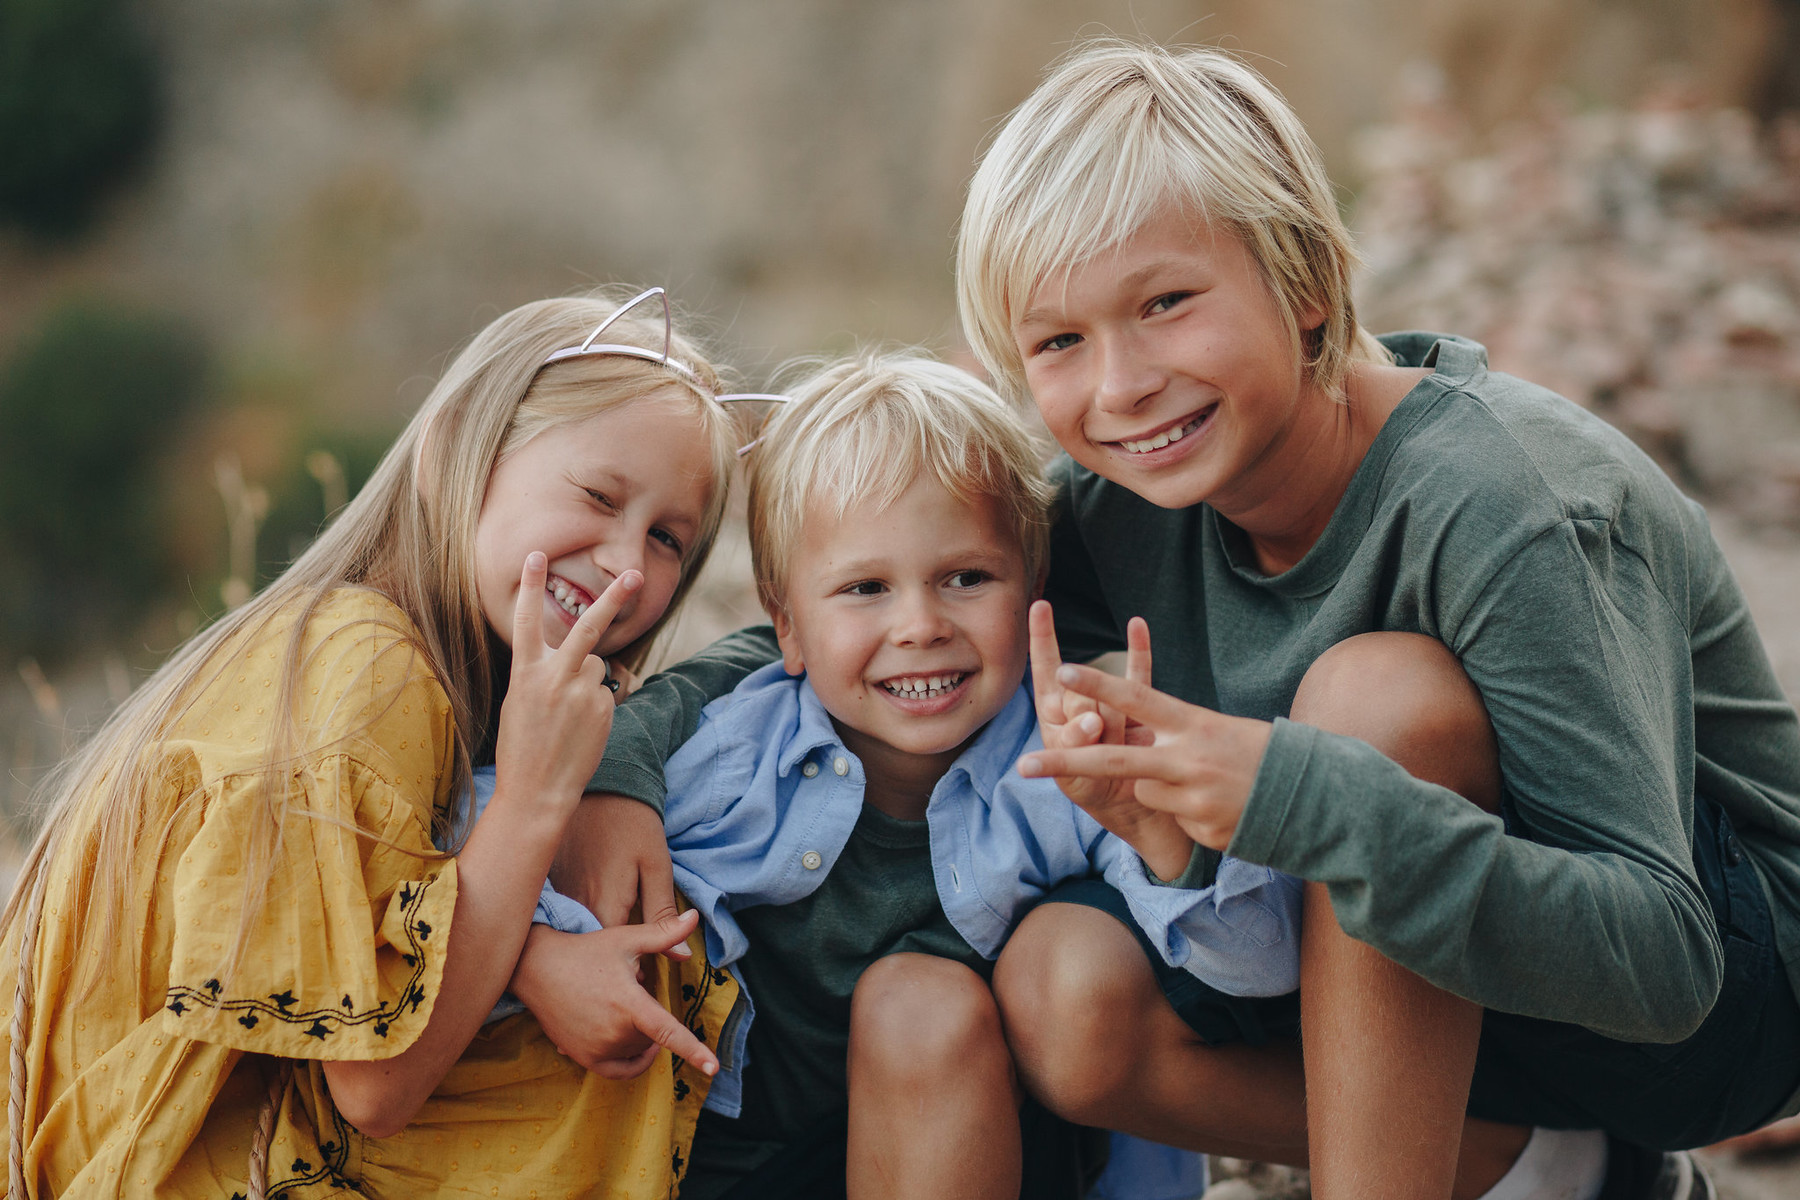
1591,607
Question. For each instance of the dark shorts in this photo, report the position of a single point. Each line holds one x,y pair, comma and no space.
1733,1074
1218,1019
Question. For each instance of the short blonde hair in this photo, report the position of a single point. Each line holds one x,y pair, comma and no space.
1115,135
865,428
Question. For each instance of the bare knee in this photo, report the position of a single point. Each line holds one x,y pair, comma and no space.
915,1018
1407,696
1070,984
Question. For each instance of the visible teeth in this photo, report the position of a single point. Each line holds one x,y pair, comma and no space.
924,686
1162,439
567,598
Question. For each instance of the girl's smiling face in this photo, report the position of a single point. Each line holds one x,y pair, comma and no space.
1166,366
621,490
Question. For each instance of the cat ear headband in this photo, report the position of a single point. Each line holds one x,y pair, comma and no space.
594,346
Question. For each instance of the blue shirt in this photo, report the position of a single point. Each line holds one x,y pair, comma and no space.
763,797
762,800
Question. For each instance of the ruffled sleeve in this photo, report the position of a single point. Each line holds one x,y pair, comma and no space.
345,957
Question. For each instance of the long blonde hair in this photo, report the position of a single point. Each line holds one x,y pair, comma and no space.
409,534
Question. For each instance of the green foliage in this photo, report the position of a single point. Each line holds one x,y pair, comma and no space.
89,405
78,105
297,498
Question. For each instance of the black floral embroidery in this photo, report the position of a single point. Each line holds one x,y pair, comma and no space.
695,996
324,1022
336,1152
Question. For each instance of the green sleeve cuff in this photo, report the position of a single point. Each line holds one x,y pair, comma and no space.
1202,869
621,778
1278,779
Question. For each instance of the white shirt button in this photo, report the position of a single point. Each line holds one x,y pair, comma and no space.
811,860
810,769
841,765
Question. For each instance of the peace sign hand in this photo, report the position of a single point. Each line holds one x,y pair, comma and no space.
558,708
1196,765
1069,720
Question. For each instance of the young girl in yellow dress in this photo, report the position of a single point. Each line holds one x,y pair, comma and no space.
241,967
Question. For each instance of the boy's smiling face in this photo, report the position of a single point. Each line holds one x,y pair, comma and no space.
909,621
1166,367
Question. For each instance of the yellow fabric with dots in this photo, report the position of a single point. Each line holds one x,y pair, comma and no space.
151,1084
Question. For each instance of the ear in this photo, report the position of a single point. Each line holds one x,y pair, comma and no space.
791,660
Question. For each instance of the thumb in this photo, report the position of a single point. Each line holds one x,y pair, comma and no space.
664,933
656,896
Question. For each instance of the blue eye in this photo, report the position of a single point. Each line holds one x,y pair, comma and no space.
1061,341
1165,302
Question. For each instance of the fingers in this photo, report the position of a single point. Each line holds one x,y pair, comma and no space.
1137,651
1134,698
1105,761
656,895
662,935
626,1068
1046,657
660,1026
528,608
592,625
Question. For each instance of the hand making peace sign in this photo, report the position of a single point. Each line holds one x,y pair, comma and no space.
1126,752
558,709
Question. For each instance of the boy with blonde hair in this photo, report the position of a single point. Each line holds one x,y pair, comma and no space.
1431,638
850,823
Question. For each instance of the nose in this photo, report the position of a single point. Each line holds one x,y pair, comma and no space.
1127,376
921,620
622,552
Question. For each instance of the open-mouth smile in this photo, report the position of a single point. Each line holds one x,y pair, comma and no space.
923,687
571,598
1173,433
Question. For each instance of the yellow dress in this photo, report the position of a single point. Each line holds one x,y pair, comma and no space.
151,1084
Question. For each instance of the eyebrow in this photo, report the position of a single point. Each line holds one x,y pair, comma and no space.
974,556
1129,282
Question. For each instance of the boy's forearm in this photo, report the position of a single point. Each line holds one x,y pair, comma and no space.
665,711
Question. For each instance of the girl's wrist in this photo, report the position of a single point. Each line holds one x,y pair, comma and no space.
531,808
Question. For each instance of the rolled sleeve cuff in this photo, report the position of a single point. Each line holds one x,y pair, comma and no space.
1278,781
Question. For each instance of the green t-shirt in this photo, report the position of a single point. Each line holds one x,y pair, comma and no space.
1590,605
801,969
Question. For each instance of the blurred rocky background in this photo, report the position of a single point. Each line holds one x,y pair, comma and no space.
238,241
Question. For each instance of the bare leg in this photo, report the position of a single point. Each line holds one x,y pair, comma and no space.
1096,1043
1388,1055
934,1109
